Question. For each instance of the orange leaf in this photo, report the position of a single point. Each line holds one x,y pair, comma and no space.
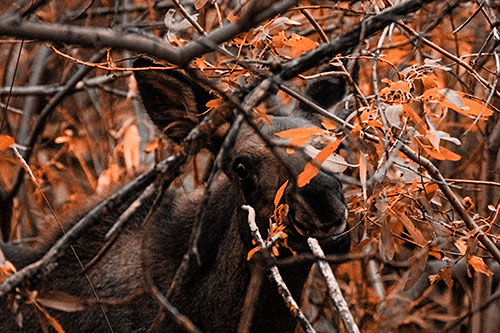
465,104
400,85
428,82
479,266
312,168
300,43
214,103
444,154
328,124
131,151
200,64
252,252
461,246
279,194
299,136
476,108
6,270
6,142
152,145
293,46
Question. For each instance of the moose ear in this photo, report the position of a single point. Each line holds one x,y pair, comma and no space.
328,90
172,100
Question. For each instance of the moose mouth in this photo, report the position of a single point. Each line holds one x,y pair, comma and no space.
305,226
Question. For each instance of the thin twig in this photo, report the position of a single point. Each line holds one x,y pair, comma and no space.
282,288
87,277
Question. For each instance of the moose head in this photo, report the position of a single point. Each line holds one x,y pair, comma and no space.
254,168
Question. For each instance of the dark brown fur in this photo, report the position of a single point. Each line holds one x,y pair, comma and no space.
213,294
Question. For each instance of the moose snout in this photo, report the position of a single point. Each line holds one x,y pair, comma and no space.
325,210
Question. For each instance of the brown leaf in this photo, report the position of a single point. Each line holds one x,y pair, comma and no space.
479,266
465,104
417,263
62,301
386,244
415,233
461,246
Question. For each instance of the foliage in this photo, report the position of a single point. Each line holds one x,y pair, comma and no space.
431,91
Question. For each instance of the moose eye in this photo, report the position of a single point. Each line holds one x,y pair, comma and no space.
241,170
241,167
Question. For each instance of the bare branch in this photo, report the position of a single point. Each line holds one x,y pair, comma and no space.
11,25
333,288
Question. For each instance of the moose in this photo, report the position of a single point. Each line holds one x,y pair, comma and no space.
213,293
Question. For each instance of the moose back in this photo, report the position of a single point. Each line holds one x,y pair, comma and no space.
213,293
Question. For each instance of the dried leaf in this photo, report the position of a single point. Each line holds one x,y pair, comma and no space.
453,99
465,104
312,168
252,252
443,154
479,266
152,145
50,320
400,85
131,152
279,194
6,270
294,45
279,24
461,245
415,234
6,142
62,301
386,243
393,114
443,274
328,124
417,263
334,163
299,136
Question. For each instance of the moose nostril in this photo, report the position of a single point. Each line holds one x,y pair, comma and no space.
327,227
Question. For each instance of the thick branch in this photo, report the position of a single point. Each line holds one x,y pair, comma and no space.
11,25
92,37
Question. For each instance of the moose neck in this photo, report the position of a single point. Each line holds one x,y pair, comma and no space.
212,294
